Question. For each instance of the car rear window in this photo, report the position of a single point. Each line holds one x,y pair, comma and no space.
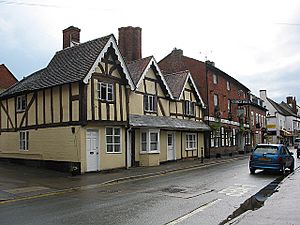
266,150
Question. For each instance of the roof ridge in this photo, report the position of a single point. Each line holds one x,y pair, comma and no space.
83,43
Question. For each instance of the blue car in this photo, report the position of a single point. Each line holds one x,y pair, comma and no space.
271,157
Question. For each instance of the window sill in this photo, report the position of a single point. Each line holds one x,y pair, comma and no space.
114,153
191,149
149,153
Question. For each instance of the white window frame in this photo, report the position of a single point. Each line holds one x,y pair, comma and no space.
23,140
228,85
222,137
149,141
109,91
21,103
189,108
215,78
113,143
212,139
233,137
149,104
191,141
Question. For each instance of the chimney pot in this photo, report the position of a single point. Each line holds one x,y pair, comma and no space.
71,36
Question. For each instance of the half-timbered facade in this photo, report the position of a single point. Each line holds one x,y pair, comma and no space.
165,120
72,113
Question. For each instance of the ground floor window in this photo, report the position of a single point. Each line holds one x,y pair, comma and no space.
113,140
247,138
150,141
190,141
24,137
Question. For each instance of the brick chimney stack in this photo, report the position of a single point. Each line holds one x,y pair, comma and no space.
291,101
130,43
71,36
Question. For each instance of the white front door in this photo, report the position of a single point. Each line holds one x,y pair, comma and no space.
92,150
171,147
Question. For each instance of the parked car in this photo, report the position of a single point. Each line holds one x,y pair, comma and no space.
297,142
271,157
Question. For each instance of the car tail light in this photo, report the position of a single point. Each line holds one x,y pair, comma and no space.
280,159
251,157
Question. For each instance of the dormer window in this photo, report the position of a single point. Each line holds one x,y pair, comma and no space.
21,103
150,103
105,91
189,108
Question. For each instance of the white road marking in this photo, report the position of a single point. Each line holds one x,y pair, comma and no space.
237,190
195,211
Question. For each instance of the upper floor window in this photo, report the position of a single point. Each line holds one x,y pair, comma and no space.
23,139
215,78
216,102
189,108
229,105
150,103
228,85
105,91
21,103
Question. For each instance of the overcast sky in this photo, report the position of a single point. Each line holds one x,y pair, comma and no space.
255,41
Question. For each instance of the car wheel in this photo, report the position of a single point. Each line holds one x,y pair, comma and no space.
252,171
292,167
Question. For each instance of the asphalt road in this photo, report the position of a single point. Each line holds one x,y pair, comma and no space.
199,196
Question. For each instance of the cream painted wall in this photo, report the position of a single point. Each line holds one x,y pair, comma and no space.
58,144
107,160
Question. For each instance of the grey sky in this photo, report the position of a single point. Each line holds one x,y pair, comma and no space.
256,42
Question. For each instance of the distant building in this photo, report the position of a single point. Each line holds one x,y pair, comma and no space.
7,79
283,121
225,97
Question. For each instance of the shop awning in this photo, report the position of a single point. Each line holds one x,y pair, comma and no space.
162,122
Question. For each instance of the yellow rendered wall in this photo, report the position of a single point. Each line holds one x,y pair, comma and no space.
58,144
107,160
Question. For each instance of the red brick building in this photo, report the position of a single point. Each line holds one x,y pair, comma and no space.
257,112
7,79
225,97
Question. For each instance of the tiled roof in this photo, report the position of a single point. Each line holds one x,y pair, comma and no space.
68,65
164,122
137,68
288,109
278,107
176,82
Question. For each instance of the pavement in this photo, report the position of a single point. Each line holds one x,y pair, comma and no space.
281,208
18,182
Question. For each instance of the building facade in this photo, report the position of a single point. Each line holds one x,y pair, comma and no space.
226,113
90,110
7,79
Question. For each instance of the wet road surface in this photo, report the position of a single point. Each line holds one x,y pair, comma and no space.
199,196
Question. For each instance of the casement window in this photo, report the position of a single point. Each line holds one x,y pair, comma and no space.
189,108
24,137
216,100
150,102
222,137
150,141
215,78
191,141
233,137
113,140
105,91
228,85
252,118
212,139
21,103
229,105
